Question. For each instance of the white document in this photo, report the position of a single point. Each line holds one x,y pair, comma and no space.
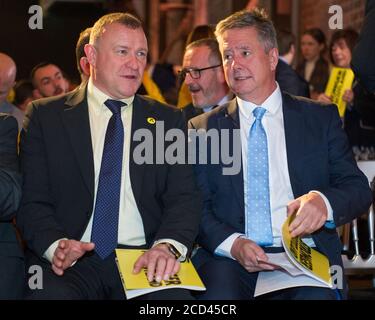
288,276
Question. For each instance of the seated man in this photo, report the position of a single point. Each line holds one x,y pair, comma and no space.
12,273
203,74
85,193
295,159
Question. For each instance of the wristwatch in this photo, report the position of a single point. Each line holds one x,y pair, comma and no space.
172,249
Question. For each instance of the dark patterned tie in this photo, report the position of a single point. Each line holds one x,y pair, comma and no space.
106,215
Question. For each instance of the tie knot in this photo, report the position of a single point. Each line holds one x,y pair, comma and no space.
114,105
259,113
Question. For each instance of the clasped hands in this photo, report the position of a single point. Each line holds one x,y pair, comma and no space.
311,215
159,261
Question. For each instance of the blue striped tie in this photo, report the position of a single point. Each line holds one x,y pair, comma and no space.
106,215
259,225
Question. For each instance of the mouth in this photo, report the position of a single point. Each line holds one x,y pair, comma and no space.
241,78
194,90
58,91
130,77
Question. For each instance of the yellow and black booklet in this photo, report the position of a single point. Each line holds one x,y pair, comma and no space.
340,80
305,258
300,265
137,284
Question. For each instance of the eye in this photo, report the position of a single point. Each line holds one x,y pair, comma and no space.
227,56
121,51
246,53
45,82
142,54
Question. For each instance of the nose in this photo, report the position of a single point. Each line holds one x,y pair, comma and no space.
133,62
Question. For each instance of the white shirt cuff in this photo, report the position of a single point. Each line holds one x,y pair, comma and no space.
224,248
328,205
179,246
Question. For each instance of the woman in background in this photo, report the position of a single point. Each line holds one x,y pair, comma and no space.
314,68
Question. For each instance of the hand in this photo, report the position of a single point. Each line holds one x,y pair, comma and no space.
311,214
324,98
248,254
348,96
67,252
160,263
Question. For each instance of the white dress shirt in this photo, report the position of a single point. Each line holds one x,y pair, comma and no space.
280,187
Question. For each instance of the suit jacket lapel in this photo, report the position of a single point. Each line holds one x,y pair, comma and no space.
142,113
77,125
231,120
294,138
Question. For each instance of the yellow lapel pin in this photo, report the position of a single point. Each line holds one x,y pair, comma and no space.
151,120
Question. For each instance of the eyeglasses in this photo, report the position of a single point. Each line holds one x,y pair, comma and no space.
194,72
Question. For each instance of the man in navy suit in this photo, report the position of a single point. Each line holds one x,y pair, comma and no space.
287,78
310,171
71,220
12,271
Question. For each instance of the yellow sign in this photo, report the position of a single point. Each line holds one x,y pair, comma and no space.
340,80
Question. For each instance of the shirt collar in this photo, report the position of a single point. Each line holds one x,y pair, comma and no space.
99,97
271,104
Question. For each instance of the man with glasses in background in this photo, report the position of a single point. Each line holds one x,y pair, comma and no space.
203,74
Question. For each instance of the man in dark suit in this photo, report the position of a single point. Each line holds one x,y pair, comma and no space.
86,189
295,160
204,76
288,79
12,271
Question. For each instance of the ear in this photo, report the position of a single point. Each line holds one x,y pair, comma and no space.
273,56
85,65
91,54
292,50
221,75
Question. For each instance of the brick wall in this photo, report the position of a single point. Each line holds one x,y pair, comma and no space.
314,13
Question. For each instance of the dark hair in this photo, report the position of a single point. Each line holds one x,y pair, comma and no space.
350,36
212,44
256,18
125,19
200,32
22,90
36,68
318,36
84,38
285,40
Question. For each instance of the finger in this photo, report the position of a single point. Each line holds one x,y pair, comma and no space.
293,206
161,263
87,246
62,244
299,231
259,254
265,266
57,271
169,268
176,267
151,269
139,264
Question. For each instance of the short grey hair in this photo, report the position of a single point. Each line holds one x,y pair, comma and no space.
256,18
126,19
